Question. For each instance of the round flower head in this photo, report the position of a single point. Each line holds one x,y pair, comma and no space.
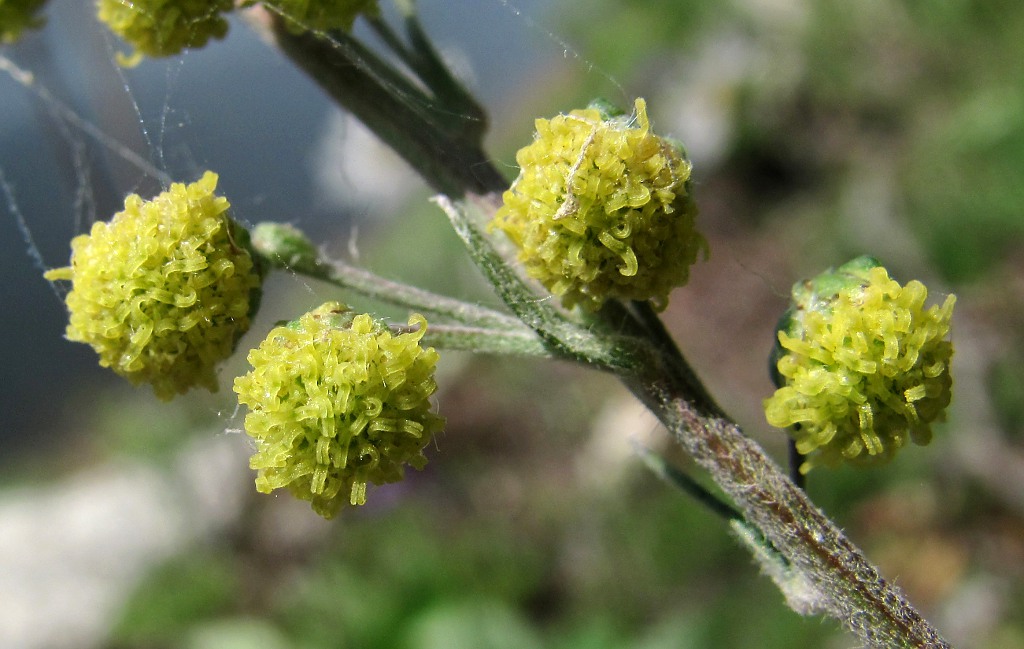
164,27
862,366
602,209
164,290
322,15
336,402
18,15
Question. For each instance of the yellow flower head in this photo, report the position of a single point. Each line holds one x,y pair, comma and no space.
337,401
164,290
322,15
164,27
17,16
602,209
863,366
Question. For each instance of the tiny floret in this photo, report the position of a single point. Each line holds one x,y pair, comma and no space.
337,401
159,28
164,290
863,367
17,16
602,208
322,15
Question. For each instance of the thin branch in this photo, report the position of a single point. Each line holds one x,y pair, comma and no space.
684,482
481,340
374,286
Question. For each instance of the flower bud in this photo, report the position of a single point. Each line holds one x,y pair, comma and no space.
165,289
862,366
336,401
164,27
602,209
283,245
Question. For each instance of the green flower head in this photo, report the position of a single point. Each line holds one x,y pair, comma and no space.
164,290
602,209
322,15
17,16
336,401
863,367
164,27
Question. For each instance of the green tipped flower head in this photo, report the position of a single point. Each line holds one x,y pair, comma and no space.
337,401
863,367
322,15
17,16
164,27
164,290
602,209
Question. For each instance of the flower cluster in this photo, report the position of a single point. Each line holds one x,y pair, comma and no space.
323,15
164,27
167,27
602,209
17,16
863,366
335,402
164,290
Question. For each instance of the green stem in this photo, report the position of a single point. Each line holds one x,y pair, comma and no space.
457,108
482,340
467,115
404,117
283,246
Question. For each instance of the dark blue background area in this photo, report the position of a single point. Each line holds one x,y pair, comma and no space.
236,106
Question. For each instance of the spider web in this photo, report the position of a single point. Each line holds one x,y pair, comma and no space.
80,132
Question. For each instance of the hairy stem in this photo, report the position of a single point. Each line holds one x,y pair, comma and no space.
842,582
521,342
376,287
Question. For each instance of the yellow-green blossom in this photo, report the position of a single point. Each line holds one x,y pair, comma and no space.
164,27
864,367
322,15
337,401
164,290
602,209
17,16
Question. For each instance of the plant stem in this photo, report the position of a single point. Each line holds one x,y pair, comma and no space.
522,342
844,584
408,120
685,482
376,287
281,245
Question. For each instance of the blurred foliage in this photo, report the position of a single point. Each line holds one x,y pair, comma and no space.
644,571
177,596
1006,385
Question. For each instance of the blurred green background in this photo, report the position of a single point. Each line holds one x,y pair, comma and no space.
820,130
